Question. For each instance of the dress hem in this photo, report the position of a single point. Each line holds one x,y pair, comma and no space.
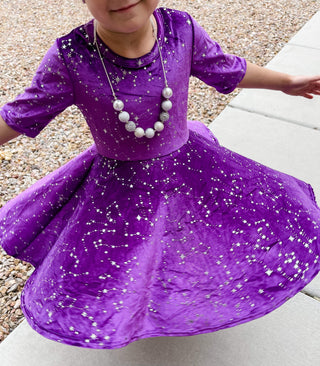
116,345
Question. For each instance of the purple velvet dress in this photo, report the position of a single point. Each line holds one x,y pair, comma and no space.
170,236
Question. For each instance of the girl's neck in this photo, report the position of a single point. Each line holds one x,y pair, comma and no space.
129,45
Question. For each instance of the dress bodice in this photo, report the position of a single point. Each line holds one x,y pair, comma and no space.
72,73
138,83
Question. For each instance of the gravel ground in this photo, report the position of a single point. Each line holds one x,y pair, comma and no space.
253,29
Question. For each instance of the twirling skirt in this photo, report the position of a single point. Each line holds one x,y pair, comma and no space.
195,241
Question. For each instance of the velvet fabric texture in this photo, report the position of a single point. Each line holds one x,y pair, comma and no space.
136,238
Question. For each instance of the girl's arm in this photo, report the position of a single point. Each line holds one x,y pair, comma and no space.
6,132
262,78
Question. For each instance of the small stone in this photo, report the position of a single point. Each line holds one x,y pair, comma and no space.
13,288
29,273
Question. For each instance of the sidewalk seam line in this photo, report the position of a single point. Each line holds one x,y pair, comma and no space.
302,46
273,117
306,293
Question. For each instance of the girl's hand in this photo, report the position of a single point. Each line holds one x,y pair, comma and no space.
264,78
6,132
304,86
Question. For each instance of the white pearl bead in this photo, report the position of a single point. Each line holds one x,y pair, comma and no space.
149,133
139,132
118,105
159,126
130,126
124,116
167,92
164,116
166,105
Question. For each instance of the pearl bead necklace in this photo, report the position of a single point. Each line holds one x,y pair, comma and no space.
118,104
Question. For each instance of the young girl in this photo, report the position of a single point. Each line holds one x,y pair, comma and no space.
156,230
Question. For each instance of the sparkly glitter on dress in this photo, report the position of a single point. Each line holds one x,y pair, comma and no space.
170,236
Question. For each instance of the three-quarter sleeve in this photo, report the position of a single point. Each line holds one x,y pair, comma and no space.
217,69
51,92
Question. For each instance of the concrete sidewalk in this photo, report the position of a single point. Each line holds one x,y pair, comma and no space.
282,132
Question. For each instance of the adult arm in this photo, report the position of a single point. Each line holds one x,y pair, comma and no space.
262,78
6,132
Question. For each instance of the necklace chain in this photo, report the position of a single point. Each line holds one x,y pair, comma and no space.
118,104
